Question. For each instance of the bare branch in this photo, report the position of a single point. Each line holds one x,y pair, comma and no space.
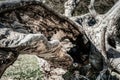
92,9
114,12
70,5
103,44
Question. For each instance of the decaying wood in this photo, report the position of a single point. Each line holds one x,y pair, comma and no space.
32,28
70,6
95,30
41,31
92,9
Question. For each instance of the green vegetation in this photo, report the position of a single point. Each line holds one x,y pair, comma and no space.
25,68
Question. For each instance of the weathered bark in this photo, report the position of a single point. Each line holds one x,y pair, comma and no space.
92,9
70,6
35,27
32,28
94,26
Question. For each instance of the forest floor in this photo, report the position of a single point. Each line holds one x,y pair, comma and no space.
25,68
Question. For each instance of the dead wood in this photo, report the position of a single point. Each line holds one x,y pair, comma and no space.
41,31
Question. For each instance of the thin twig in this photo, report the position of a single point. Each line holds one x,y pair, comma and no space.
103,45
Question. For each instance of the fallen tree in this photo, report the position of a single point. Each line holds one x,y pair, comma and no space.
88,43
